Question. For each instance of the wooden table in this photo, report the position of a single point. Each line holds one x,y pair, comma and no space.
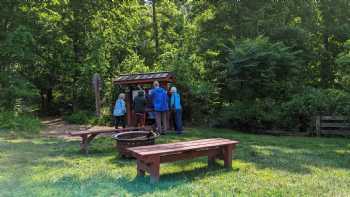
150,157
88,135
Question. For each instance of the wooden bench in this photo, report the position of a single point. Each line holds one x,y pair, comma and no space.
332,125
150,157
88,135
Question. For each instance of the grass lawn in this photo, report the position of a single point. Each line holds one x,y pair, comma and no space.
262,166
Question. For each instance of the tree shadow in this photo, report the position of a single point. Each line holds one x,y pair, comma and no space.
141,185
295,154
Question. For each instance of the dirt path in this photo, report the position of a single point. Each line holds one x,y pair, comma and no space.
56,127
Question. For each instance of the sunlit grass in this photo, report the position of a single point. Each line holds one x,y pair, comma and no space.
262,166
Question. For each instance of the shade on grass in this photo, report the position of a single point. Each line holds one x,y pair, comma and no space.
262,166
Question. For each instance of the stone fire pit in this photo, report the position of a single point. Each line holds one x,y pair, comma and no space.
133,138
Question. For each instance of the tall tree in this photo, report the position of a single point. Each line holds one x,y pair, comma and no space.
155,26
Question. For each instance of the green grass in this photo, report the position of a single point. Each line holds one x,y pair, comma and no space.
19,124
262,166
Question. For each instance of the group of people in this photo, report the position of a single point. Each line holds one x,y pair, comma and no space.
157,106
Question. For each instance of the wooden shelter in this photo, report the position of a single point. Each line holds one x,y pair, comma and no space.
132,83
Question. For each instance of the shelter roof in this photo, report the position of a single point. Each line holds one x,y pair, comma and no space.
144,78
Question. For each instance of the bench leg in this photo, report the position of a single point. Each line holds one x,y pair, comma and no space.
154,169
85,140
84,144
211,159
227,150
140,170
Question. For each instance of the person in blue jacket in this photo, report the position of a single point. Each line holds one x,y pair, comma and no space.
175,106
119,111
160,103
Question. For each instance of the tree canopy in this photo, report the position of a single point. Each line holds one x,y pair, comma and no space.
260,54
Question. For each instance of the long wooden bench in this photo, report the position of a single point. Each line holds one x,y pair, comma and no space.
150,157
88,135
333,125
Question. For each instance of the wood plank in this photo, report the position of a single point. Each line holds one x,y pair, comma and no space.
186,148
334,118
336,132
335,124
186,143
189,155
173,149
173,146
79,133
167,146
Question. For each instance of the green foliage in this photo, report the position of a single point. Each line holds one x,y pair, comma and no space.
86,117
134,64
296,113
344,57
80,117
343,61
259,69
16,93
302,108
19,123
251,116
225,54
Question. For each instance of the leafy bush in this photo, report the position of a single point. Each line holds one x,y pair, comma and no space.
85,117
296,113
103,120
261,114
16,93
258,68
301,108
80,117
10,121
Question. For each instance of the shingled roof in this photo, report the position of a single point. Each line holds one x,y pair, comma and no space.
142,78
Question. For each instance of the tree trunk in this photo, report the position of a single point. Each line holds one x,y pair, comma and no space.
155,27
46,99
325,66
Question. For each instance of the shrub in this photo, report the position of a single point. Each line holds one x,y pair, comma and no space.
16,93
85,117
20,123
259,68
80,117
257,115
301,108
296,113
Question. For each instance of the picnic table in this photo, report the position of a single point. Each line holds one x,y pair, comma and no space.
88,135
150,157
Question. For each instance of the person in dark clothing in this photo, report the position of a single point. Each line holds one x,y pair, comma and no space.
151,117
139,108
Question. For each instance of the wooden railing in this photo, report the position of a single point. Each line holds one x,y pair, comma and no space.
333,125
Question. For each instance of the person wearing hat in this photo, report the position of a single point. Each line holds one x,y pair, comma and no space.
175,106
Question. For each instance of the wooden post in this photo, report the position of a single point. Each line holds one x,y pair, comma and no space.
129,105
318,125
96,81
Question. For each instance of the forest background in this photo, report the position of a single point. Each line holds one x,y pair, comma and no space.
250,65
